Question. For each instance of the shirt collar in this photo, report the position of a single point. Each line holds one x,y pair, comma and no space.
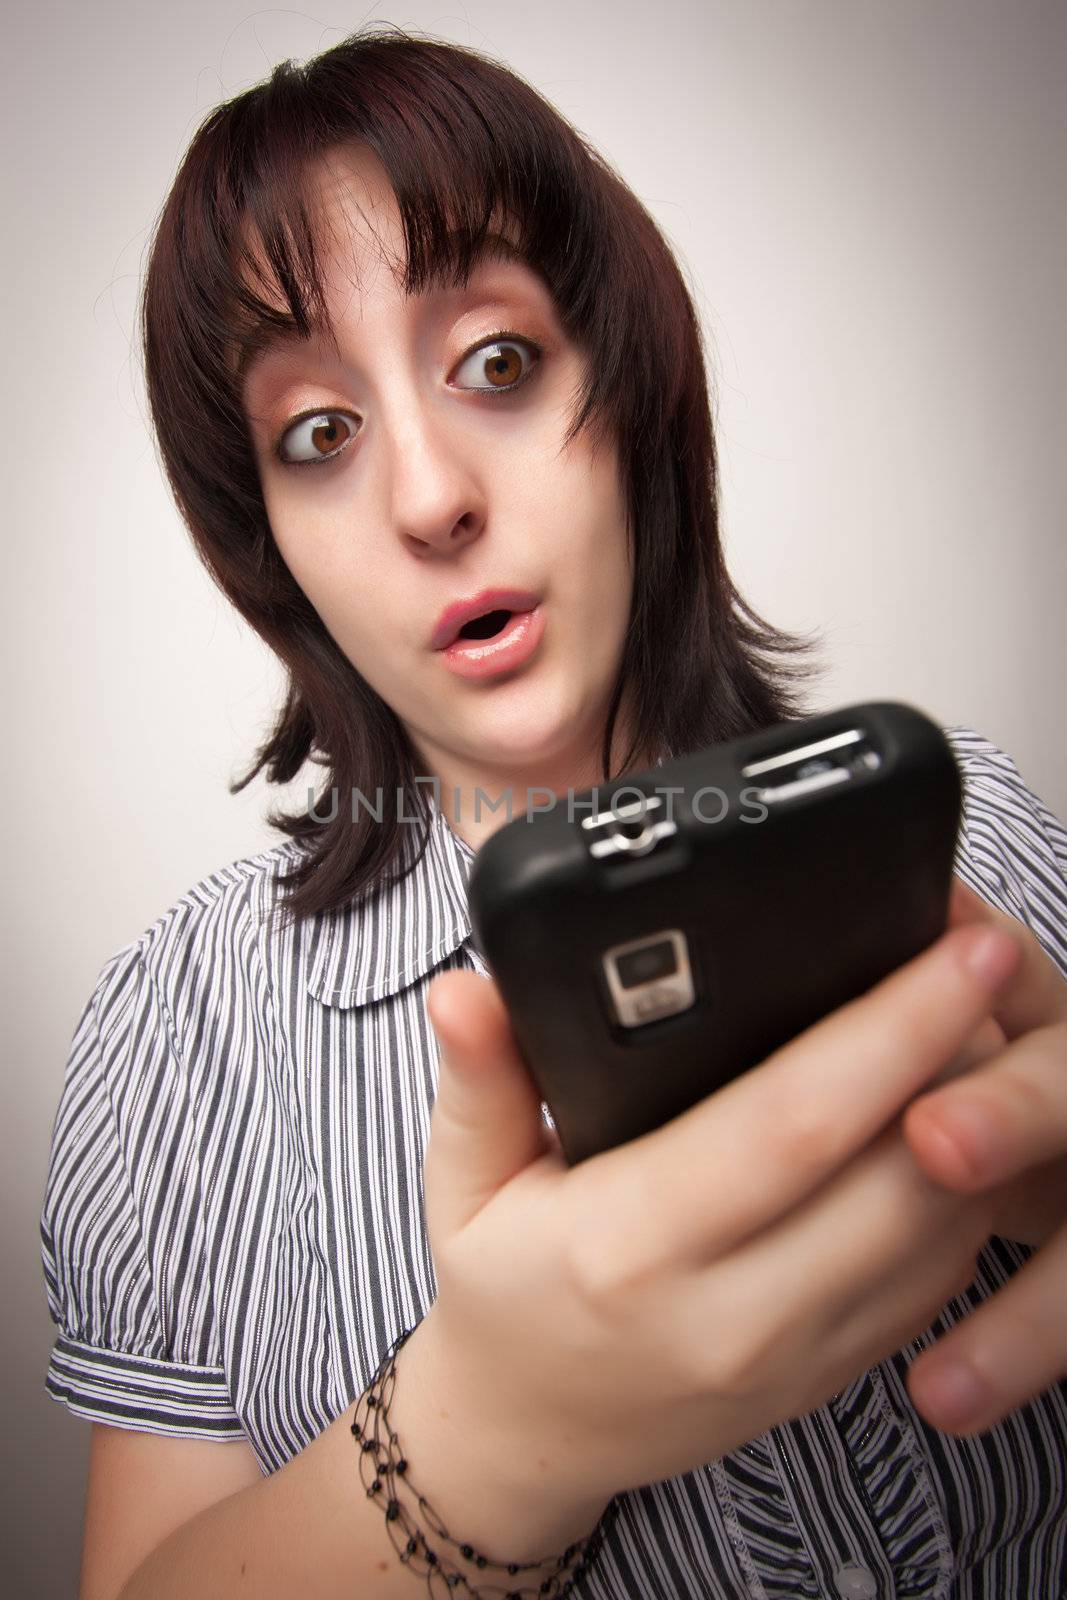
383,944
378,946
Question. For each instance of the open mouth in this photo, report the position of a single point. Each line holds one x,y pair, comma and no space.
498,641
485,627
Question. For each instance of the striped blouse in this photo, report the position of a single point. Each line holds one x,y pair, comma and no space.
233,1234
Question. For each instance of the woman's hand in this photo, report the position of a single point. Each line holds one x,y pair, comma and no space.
618,1322
1002,1130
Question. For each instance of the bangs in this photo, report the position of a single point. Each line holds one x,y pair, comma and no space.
474,170
278,297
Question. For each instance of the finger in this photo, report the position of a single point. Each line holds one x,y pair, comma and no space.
877,1220
1012,1348
1038,993
902,1306
747,1153
486,1124
860,1267
1000,1120
986,1041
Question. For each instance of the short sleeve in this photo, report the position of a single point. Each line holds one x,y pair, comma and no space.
122,1230
1012,849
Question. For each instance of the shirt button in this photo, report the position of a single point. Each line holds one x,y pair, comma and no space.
854,1582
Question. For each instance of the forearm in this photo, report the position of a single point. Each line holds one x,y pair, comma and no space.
311,1529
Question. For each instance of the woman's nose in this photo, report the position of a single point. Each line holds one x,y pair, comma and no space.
435,489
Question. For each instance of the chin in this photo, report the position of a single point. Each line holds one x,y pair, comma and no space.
541,739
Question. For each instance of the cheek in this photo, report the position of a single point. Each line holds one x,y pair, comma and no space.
608,556
596,583
348,594
295,543
319,560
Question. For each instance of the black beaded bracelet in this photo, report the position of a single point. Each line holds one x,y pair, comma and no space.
384,1470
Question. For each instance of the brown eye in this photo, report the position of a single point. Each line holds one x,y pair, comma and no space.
503,366
327,435
317,438
499,365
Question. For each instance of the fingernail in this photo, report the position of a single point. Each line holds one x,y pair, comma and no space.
953,1393
989,952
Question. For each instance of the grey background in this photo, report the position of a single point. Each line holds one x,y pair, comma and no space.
868,199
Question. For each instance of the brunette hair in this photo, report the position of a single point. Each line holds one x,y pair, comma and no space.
466,145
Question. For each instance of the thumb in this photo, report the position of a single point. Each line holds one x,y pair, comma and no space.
486,1124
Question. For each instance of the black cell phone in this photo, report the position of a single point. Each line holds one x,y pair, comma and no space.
656,937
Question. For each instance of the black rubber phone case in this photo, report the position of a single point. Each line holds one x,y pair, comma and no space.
785,917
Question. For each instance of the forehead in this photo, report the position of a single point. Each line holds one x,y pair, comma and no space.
357,218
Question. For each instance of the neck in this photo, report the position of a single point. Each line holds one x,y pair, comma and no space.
478,798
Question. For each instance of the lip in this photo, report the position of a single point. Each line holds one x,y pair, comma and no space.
454,616
506,652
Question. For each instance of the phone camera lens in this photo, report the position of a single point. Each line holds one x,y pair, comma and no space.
653,961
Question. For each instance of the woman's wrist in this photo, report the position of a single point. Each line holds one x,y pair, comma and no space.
491,1490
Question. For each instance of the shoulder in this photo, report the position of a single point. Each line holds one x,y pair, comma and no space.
176,1022
238,896
990,774
214,938
1012,848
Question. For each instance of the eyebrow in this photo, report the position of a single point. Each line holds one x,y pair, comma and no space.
282,332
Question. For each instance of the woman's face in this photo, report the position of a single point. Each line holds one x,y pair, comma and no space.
424,469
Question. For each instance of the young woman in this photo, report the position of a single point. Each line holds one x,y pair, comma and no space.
429,391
